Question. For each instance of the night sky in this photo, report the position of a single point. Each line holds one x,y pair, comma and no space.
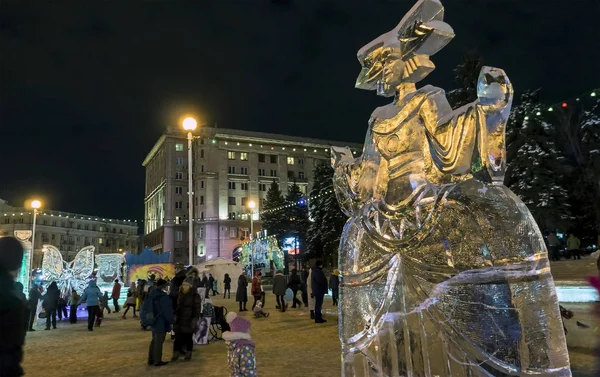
88,87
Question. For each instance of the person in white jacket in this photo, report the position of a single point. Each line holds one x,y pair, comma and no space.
311,298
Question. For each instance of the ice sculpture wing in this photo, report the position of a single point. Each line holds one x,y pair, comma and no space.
83,264
52,263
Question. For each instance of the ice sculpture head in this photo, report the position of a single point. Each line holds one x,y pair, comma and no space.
402,54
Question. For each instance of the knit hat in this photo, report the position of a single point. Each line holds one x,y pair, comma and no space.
11,253
161,283
189,281
237,324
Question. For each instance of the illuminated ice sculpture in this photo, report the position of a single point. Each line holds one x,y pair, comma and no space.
68,275
445,272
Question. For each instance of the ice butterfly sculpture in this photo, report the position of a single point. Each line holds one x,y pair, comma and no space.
68,275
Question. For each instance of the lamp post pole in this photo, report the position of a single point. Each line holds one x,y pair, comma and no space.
190,138
32,243
189,124
252,205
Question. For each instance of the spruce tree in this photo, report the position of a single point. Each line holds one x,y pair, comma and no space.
536,168
327,218
466,75
296,214
273,217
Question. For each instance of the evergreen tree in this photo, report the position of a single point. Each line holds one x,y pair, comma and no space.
536,168
273,217
466,75
328,220
296,214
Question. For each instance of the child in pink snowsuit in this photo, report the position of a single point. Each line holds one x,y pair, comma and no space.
240,347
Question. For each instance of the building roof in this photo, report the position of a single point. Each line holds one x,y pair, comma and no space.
248,136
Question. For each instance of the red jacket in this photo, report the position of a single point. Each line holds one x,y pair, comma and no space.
256,287
116,293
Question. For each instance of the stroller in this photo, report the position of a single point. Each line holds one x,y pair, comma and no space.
218,323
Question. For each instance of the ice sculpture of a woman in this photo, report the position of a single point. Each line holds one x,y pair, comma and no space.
445,272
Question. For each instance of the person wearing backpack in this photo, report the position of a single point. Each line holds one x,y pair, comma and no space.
157,312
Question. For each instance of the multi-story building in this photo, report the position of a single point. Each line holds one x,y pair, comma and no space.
70,232
231,168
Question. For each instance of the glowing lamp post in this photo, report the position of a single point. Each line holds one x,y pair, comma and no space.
35,204
189,124
252,205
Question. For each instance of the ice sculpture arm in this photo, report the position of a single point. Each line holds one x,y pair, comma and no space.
470,139
356,180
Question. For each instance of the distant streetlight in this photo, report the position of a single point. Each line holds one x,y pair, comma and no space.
252,205
35,204
189,124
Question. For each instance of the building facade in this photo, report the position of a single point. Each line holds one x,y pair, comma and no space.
231,168
70,232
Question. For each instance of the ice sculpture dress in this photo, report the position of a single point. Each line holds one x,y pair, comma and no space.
445,272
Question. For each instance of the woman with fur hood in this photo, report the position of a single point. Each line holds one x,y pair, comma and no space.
240,347
189,308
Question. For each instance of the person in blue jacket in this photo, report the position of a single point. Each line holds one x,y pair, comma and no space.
92,297
163,320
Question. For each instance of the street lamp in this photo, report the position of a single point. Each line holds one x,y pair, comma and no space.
252,205
35,204
189,124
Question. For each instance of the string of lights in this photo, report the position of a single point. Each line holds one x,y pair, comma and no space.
565,104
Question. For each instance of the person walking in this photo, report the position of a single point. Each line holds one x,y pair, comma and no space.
131,301
211,284
92,296
295,285
73,300
311,298
162,310
50,304
256,289
61,309
334,284
116,294
241,294
105,303
13,311
227,286
279,288
32,301
189,309
553,246
319,289
573,245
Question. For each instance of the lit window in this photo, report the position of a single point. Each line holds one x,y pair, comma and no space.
179,147
290,160
99,240
231,155
244,156
201,250
178,235
233,232
177,220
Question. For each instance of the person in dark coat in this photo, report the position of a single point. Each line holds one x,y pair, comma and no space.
241,295
227,286
163,311
175,284
50,304
279,288
211,284
189,309
32,301
205,285
334,284
13,311
295,285
319,289
305,274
